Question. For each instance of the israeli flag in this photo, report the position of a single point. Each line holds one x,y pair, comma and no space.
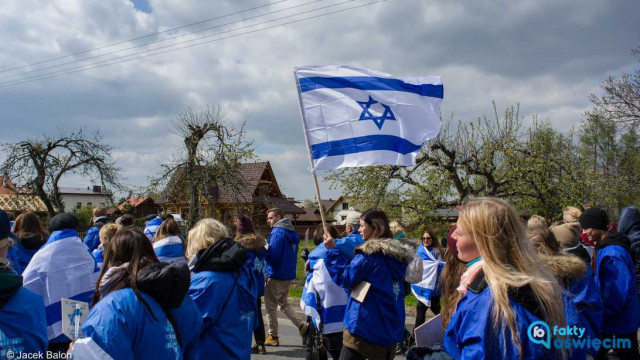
151,227
431,269
333,300
357,117
62,268
170,249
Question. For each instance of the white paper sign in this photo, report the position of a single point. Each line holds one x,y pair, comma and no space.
430,333
74,313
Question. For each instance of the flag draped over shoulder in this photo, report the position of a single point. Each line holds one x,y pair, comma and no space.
170,250
333,299
431,268
62,268
358,117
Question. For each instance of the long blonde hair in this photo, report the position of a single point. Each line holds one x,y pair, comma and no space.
203,234
510,262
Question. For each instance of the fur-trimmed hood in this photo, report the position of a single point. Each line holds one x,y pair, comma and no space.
252,242
565,267
398,249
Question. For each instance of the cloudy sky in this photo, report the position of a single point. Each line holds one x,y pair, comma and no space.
546,55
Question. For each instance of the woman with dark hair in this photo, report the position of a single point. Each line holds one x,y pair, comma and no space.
427,291
168,243
27,227
140,307
375,315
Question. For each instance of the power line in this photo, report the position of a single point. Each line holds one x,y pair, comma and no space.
142,37
92,66
155,42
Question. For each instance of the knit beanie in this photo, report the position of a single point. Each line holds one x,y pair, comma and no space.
594,219
62,221
244,225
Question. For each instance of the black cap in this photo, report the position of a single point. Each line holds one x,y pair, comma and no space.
594,219
62,221
150,217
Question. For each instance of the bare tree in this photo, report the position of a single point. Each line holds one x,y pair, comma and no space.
38,164
621,99
211,156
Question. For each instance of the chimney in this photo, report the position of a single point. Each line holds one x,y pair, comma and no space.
97,188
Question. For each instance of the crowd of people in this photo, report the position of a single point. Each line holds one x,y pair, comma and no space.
159,293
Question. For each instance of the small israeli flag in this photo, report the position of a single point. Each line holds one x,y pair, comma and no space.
358,117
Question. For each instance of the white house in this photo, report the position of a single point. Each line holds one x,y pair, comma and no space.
338,209
76,197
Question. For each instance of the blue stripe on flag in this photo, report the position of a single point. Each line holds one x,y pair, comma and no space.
171,250
362,144
334,314
370,83
53,311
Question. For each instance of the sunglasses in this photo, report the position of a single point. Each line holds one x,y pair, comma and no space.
426,238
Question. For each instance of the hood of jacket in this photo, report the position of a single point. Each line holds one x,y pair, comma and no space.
285,224
224,255
615,238
252,242
31,241
167,284
564,267
10,282
393,248
629,223
100,220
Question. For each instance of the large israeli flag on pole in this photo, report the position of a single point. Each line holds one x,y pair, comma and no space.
358,117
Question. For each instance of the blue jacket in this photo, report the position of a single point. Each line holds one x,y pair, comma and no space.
123,327
345,245
98,255
471,333
23,325
224,289
616,281
256,263
24,250
382,263
629,226
92,238
588,303
282,255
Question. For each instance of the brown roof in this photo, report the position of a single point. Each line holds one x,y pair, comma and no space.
311,215
134,201
256,183
7,187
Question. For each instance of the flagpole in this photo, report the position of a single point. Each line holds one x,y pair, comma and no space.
313,171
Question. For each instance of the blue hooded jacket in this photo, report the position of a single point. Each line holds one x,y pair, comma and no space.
615,279
126,329
24,250
255,258
224,289
471,333
629,226
345,245
282,255
380,318
23,325
92,238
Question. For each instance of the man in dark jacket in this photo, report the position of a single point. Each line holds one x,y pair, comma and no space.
92,239
615,277
280,270
629,225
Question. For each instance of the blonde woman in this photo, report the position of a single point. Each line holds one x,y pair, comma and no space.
504,290
105,234
224,288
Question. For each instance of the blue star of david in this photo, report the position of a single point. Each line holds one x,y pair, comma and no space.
378,120
72,316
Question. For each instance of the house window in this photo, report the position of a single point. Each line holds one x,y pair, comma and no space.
78,205
102,204
345,206
89,204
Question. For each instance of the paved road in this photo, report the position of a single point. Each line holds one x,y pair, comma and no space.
290,340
